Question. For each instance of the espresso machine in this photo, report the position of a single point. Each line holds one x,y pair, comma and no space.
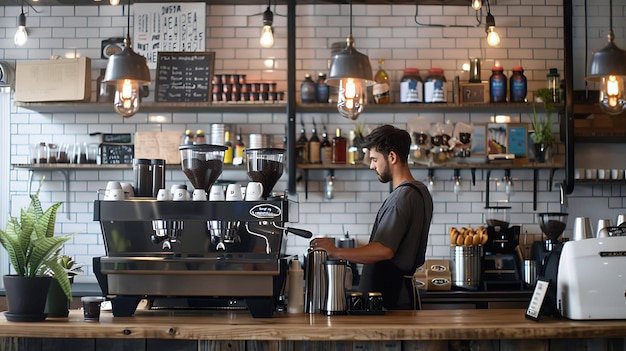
501,265
198,254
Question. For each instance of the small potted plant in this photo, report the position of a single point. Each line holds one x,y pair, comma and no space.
542,135
31,246
58,303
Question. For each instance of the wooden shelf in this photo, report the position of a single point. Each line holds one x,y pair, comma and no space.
449,165
96,167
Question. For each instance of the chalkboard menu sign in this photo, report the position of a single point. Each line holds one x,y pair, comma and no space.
184,76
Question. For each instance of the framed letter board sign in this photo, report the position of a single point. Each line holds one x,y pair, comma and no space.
184,76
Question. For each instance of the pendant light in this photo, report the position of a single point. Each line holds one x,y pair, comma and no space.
267,33
351,71
493,38
21,36
128,71
608,66
477,4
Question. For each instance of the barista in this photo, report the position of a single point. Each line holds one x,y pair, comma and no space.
397,245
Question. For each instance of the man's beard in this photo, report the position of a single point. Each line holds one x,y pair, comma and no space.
385,176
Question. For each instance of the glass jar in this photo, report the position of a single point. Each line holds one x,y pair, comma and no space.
518,85
411,86
553,83
435,86
497,85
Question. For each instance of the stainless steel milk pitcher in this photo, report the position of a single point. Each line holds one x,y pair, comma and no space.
315,280
335,298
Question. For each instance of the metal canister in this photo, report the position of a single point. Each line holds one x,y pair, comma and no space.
315,279
355,301
374,301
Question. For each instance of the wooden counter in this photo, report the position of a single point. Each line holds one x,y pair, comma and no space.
396,325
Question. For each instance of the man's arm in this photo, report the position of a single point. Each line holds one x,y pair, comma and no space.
370,253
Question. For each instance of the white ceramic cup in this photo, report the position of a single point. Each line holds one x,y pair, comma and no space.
591,173
233,192
579,173
164,195
113,195
617,174
254,191
114,185
199,195
128,190
180,194
216,193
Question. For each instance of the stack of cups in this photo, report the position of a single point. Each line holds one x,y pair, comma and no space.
259,141
217,134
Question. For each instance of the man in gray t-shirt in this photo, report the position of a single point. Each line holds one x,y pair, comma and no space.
397,245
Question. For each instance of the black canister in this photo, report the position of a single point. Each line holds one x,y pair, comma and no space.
143,177
158,175
497,85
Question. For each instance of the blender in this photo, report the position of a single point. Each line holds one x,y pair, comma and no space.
501,262
265,165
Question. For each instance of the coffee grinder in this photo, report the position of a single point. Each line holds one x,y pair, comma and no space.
501,264
552,225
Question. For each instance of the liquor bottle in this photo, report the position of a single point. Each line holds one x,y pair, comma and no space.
314,146
322,89
340,148
228,153
326,149
381,87
239,150
307,89
354,154
302,146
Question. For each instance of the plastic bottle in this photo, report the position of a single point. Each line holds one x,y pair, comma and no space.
321,89
295,301
411,86
497,85
518,85
314,146
340,148
381,90
553,82
229,152
308,89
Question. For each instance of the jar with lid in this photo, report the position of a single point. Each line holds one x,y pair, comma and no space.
411,86
322,89
308,89
518,85
553,83
435,86
497,85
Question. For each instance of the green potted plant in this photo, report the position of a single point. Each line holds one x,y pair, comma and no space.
542,135
31,245
57,302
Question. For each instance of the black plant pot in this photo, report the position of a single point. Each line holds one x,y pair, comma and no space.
26,297
543,152
57,304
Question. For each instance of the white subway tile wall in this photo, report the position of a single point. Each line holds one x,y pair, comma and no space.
532,36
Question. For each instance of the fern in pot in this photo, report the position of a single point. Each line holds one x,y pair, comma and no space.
32,249
542,135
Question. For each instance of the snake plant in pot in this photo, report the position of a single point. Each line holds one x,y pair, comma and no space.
542,135
32,249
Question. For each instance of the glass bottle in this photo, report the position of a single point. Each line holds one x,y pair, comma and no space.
302,146
239,149
411,86
381,87
497,85
307,89
435,86
326,149
518,85
340,148
553,83
200,138
188,137
322,89
228,153
314,146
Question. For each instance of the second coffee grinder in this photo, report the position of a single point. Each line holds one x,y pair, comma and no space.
501,263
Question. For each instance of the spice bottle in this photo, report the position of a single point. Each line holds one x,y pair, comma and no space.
411,86
321,89
518,85
553,83
435,86
308,89
340,148
497,85
381,87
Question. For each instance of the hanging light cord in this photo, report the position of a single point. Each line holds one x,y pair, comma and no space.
479,20
350,17
29,6
586,50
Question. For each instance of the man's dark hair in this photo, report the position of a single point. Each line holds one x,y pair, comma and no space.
387,138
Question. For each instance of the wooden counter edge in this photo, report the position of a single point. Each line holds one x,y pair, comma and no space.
395,325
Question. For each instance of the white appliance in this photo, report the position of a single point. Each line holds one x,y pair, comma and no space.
591,281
